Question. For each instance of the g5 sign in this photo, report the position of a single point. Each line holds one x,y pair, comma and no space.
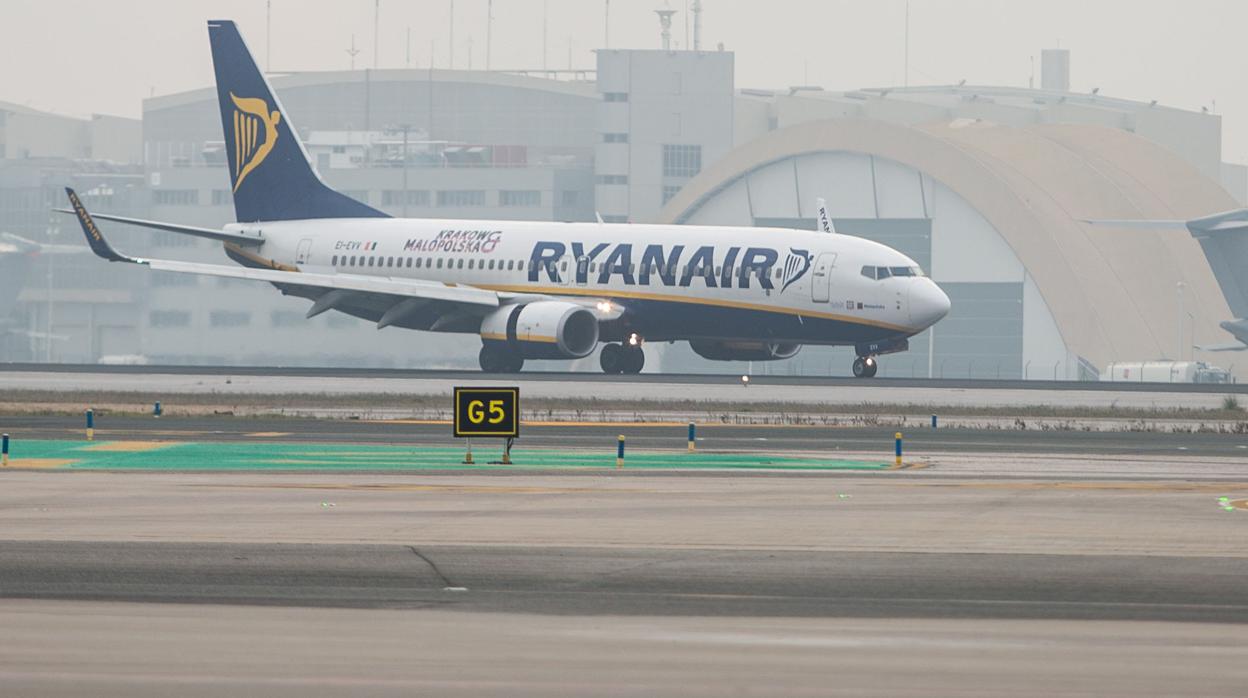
487,412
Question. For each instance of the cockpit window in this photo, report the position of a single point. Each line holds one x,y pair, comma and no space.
885,272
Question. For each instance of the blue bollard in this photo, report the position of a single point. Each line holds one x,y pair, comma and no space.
898,437
156,410
619,453
693,436
90,425
933,421
4,450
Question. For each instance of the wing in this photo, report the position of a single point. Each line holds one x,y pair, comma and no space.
1229,346
431,305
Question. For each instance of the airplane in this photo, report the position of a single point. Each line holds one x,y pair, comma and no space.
530,289
1223,237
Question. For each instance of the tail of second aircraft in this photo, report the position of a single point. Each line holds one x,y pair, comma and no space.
270,172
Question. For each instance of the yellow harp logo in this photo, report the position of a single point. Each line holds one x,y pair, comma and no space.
251,116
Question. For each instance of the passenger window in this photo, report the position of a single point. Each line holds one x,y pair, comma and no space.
510,264
460,265
418,262
334,263
439,262
371,260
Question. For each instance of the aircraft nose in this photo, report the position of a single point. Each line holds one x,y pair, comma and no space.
928,303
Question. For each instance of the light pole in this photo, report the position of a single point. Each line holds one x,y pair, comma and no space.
406,128
47,342
1179,286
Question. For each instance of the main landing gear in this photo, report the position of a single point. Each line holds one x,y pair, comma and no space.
500,358
622,358
865,367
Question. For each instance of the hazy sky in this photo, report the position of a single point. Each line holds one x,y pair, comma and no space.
104,56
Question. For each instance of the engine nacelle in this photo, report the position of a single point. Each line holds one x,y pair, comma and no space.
543,329
743,351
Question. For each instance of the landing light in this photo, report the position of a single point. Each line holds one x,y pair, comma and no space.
870,361
745,381
604,306
634,340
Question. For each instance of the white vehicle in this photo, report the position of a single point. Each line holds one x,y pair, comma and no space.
536,290
1164,372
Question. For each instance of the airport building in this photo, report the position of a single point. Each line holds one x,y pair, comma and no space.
986,187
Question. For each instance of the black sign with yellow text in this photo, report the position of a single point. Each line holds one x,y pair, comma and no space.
487,412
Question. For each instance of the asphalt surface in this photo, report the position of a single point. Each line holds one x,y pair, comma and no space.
589,435
595,377
624,581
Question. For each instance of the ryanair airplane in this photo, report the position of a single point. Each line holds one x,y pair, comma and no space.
536,290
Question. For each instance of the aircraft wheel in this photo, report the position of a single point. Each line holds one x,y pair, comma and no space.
865,367
611,358
492,358
497,358
634,359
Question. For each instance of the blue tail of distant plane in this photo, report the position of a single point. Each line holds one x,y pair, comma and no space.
270,172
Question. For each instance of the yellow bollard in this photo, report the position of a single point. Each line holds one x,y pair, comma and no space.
90,425
468,455
692,437
619,453
898,437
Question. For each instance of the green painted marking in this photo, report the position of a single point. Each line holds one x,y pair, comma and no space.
342,457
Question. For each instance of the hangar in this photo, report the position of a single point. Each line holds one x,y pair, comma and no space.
989,189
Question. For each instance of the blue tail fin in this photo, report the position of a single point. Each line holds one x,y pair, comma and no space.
270,172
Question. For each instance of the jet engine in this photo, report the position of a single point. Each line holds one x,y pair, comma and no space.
543,329
743,351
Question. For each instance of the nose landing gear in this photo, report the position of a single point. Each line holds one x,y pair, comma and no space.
865,367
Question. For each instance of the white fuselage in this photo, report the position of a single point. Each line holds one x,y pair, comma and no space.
795,277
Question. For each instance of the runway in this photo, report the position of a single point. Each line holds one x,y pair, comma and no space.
465,584
315,386
1006,562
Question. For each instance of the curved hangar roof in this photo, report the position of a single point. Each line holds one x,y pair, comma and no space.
1112,292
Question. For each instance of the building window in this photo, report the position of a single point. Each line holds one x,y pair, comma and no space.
169,318
285,318
615,138
527,197
221,197
229,318
682,160
613,179
461,197
570,197
394,197
175,197
615,96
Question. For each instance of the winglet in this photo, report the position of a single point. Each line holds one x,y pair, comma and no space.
95,238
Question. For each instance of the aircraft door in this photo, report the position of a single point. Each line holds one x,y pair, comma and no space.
821,277
582,270
565,269
304,252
